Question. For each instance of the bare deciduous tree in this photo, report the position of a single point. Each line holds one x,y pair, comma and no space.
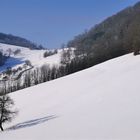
6,113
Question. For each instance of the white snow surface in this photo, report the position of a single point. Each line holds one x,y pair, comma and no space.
35,56
99,103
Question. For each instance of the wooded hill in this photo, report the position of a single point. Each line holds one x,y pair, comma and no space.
18,41
115,36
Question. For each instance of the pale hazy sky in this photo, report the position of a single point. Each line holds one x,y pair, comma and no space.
53,22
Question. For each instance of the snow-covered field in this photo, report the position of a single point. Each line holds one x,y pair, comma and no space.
99,103
35,56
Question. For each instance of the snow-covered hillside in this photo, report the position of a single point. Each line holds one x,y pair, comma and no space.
99,103
34,56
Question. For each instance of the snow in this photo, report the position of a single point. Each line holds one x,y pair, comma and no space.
35,56
99,103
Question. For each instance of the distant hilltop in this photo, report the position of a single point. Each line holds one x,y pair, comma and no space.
18,41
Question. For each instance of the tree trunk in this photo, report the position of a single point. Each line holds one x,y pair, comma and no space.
1,127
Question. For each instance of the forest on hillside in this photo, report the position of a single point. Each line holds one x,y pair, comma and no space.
115,36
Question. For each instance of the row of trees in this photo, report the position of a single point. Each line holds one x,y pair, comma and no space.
42,74
49,53
31,78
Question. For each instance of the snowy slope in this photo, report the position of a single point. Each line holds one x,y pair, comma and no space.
35,57
99,103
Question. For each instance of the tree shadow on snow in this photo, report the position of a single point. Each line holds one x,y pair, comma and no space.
31,122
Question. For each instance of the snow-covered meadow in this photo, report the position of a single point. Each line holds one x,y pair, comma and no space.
99,103
34,56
